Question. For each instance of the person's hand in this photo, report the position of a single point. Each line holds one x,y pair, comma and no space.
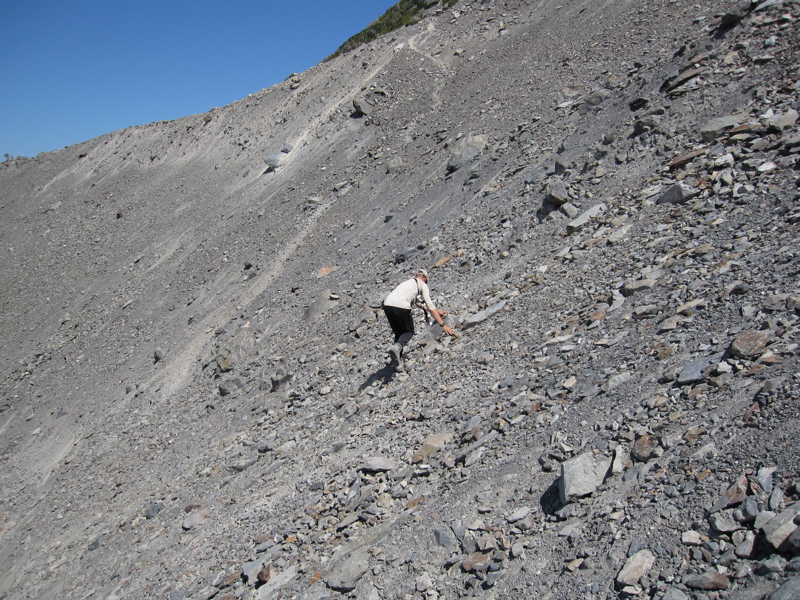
448,330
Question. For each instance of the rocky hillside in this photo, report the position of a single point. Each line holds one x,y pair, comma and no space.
196,400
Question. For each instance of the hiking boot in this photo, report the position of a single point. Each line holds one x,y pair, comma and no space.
395,352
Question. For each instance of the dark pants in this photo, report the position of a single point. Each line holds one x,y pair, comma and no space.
401,323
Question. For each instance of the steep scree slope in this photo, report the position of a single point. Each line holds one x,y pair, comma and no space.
196,401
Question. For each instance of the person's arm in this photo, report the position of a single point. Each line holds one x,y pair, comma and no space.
439,316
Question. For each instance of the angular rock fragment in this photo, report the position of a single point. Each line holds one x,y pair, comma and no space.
674,594
556,192
790,590
778,529
585,217
691,538
636,567
677,194
783,120
483,315
322,304
734,495
476,561
632,287
698,369
395,165
684,159
362,107
708,581
582,475
715,127
445,537
378,464
750,344
466,150
275,582
724,522
644,448
346,568
195,519
433,444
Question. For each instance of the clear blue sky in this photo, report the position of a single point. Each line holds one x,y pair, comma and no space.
75,69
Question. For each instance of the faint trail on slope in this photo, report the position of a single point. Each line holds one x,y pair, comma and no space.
412,45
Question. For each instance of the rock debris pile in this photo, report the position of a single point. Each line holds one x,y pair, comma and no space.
197,401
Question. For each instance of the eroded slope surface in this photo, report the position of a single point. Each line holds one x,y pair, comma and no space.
196,399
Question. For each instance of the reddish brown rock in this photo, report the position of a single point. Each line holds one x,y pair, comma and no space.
710,580
749,344
476,561
734,495
645,447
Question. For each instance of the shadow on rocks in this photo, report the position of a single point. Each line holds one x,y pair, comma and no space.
551,500
384,375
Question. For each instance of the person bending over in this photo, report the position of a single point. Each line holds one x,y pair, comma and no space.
397,308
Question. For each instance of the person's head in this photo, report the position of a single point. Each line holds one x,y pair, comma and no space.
421,274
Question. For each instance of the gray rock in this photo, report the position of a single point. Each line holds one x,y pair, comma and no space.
465,151
698,369
483,315
674,593
395,165
251,569
776,499
783,121
582,475
724,522
715,127
747,547
570,210
362,107
195,519
774,564
636,567
749,509
273,160
152,510
378,464
734,495
768,4
321,305
586,217
556,192
346,569
764,478
778,529
710,580
269,589
482,441
679,193
615,381
445,537
792,544
519,514
790,590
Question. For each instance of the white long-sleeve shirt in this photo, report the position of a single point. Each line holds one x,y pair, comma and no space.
403,295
